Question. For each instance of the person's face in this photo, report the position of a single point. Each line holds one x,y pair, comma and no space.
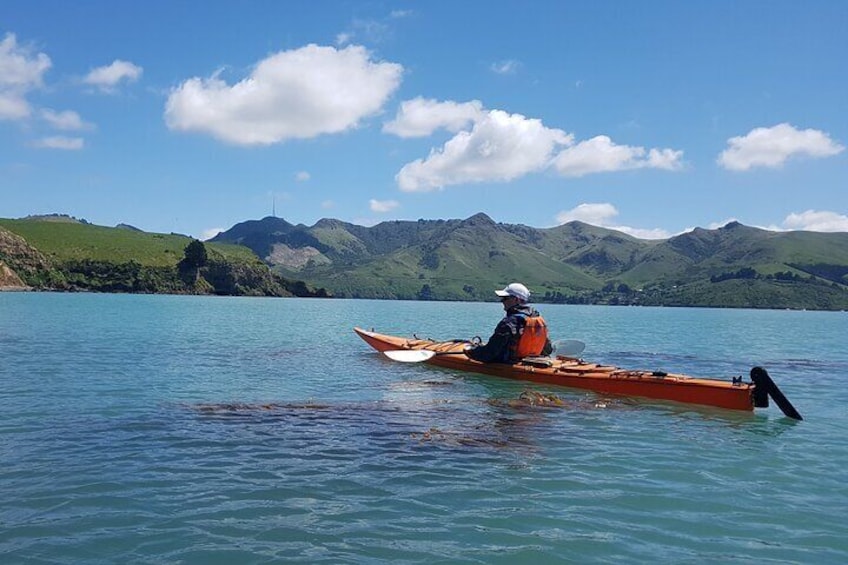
508,302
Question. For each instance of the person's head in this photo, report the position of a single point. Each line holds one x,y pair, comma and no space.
513,295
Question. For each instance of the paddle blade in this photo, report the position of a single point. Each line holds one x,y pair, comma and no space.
409,355
568,347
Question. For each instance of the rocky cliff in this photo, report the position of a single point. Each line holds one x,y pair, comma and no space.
19,261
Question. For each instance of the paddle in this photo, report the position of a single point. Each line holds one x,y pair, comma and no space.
416,355
564,347
568,347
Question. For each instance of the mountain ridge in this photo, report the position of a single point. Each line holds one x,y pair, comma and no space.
463,259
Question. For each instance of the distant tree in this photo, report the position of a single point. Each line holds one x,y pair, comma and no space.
426,293
299,288
195,255
195,258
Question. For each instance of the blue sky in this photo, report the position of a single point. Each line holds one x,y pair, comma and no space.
649,117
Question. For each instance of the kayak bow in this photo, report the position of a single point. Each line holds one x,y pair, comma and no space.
577,373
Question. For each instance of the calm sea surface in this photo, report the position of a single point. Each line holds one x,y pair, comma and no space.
163,429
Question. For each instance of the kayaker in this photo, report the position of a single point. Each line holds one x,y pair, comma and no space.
521,333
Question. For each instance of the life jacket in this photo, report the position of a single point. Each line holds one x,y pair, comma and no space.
533,338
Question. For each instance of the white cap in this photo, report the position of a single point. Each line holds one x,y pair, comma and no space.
517,290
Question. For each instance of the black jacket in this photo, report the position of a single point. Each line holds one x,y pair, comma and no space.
508,331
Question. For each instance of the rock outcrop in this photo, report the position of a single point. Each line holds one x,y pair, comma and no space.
19,261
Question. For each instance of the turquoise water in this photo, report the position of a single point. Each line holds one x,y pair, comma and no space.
162,429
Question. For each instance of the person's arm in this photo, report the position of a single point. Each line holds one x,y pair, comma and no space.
496,349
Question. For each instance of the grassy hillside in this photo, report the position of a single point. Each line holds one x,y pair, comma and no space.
464,259
743,293
81,256
453,260
65,240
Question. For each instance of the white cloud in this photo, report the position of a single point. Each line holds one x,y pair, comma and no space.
294,94
508,67
500,147
21,70
208,234
67,120
328,204
107,78
600,154
13,105
602,214
366,222
771,147
643,233
60,142
420,117
382,206
814,220
495,146
302,176
716,225
595,214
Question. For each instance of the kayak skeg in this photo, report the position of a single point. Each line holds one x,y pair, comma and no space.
606,379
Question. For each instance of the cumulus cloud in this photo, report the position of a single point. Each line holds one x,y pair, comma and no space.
600,154
495,146
383,206
302,176
595,214
814,220
60,142
771,147
108,77
603,214
21,70
499,147
67,120
294,94
420,117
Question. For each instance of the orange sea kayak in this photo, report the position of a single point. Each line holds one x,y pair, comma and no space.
577,373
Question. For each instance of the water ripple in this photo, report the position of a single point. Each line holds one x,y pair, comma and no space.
173,439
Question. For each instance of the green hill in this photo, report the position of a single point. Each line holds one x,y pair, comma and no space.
68,240
734,266
62,253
